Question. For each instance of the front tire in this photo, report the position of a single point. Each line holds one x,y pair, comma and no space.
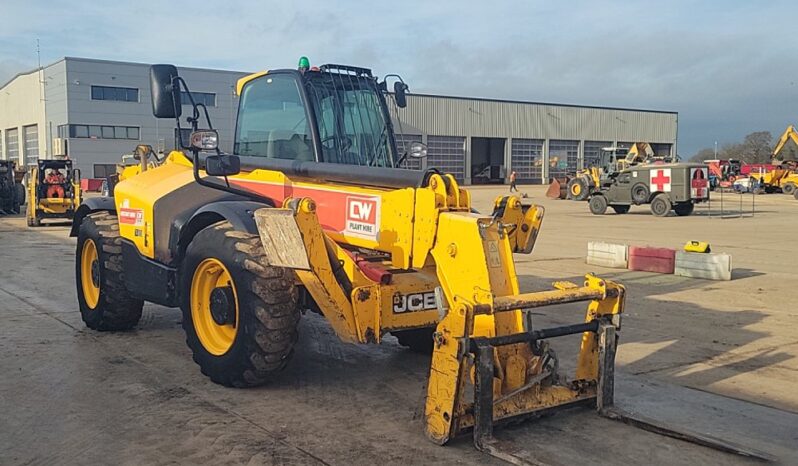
661,205
578,189
105,303
240,314
788,188
598,204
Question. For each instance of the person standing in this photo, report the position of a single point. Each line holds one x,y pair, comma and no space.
513,187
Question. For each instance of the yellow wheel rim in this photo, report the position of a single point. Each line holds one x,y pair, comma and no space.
576,189
215,338
90,273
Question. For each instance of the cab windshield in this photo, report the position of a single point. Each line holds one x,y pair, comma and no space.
349,114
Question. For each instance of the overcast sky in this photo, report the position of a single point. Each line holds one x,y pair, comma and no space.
728,67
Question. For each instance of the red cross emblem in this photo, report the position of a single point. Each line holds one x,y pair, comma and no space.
662,179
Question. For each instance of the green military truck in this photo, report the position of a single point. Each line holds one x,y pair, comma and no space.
665,186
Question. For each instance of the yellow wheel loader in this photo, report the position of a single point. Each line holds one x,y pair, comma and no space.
53,191
314,212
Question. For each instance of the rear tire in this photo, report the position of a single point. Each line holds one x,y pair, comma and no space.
247,349
621,209
661,205
105,303
598,204
795,194
684,209
788,188
418,340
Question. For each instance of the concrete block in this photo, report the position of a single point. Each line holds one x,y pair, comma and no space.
712,266
607,254
647,259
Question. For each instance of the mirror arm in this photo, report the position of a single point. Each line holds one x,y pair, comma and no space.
401,159
227,188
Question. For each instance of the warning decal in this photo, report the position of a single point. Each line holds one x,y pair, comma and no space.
128,216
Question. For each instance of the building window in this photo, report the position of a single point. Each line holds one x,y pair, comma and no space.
98,132
207,98
104,170
31,134
563,156
12,144
120,94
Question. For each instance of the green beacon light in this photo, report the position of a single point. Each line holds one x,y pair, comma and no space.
304,63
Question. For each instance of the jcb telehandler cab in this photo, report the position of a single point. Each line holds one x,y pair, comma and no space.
312,211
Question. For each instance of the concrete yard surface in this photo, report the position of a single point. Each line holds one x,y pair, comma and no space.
719,358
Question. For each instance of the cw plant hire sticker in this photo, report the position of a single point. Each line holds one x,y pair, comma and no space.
362,216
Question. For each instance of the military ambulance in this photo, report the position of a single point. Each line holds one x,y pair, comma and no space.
667,187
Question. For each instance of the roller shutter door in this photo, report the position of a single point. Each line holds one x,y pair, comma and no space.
563,157
527,160
447,154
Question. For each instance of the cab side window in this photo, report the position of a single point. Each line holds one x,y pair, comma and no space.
272,121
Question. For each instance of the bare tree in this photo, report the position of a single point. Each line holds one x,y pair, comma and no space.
757,147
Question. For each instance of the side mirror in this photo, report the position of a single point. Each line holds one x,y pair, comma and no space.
400,94
222,165
165,92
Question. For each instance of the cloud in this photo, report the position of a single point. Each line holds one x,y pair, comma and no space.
721,64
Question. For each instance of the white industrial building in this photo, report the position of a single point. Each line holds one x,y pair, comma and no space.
97,110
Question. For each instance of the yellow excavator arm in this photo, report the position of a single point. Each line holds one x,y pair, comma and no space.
788,143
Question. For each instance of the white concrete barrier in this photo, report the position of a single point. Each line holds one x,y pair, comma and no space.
709,266
607,254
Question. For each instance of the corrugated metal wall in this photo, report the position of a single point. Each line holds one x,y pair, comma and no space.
578,126
470,117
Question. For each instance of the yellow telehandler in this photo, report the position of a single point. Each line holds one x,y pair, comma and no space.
314,212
